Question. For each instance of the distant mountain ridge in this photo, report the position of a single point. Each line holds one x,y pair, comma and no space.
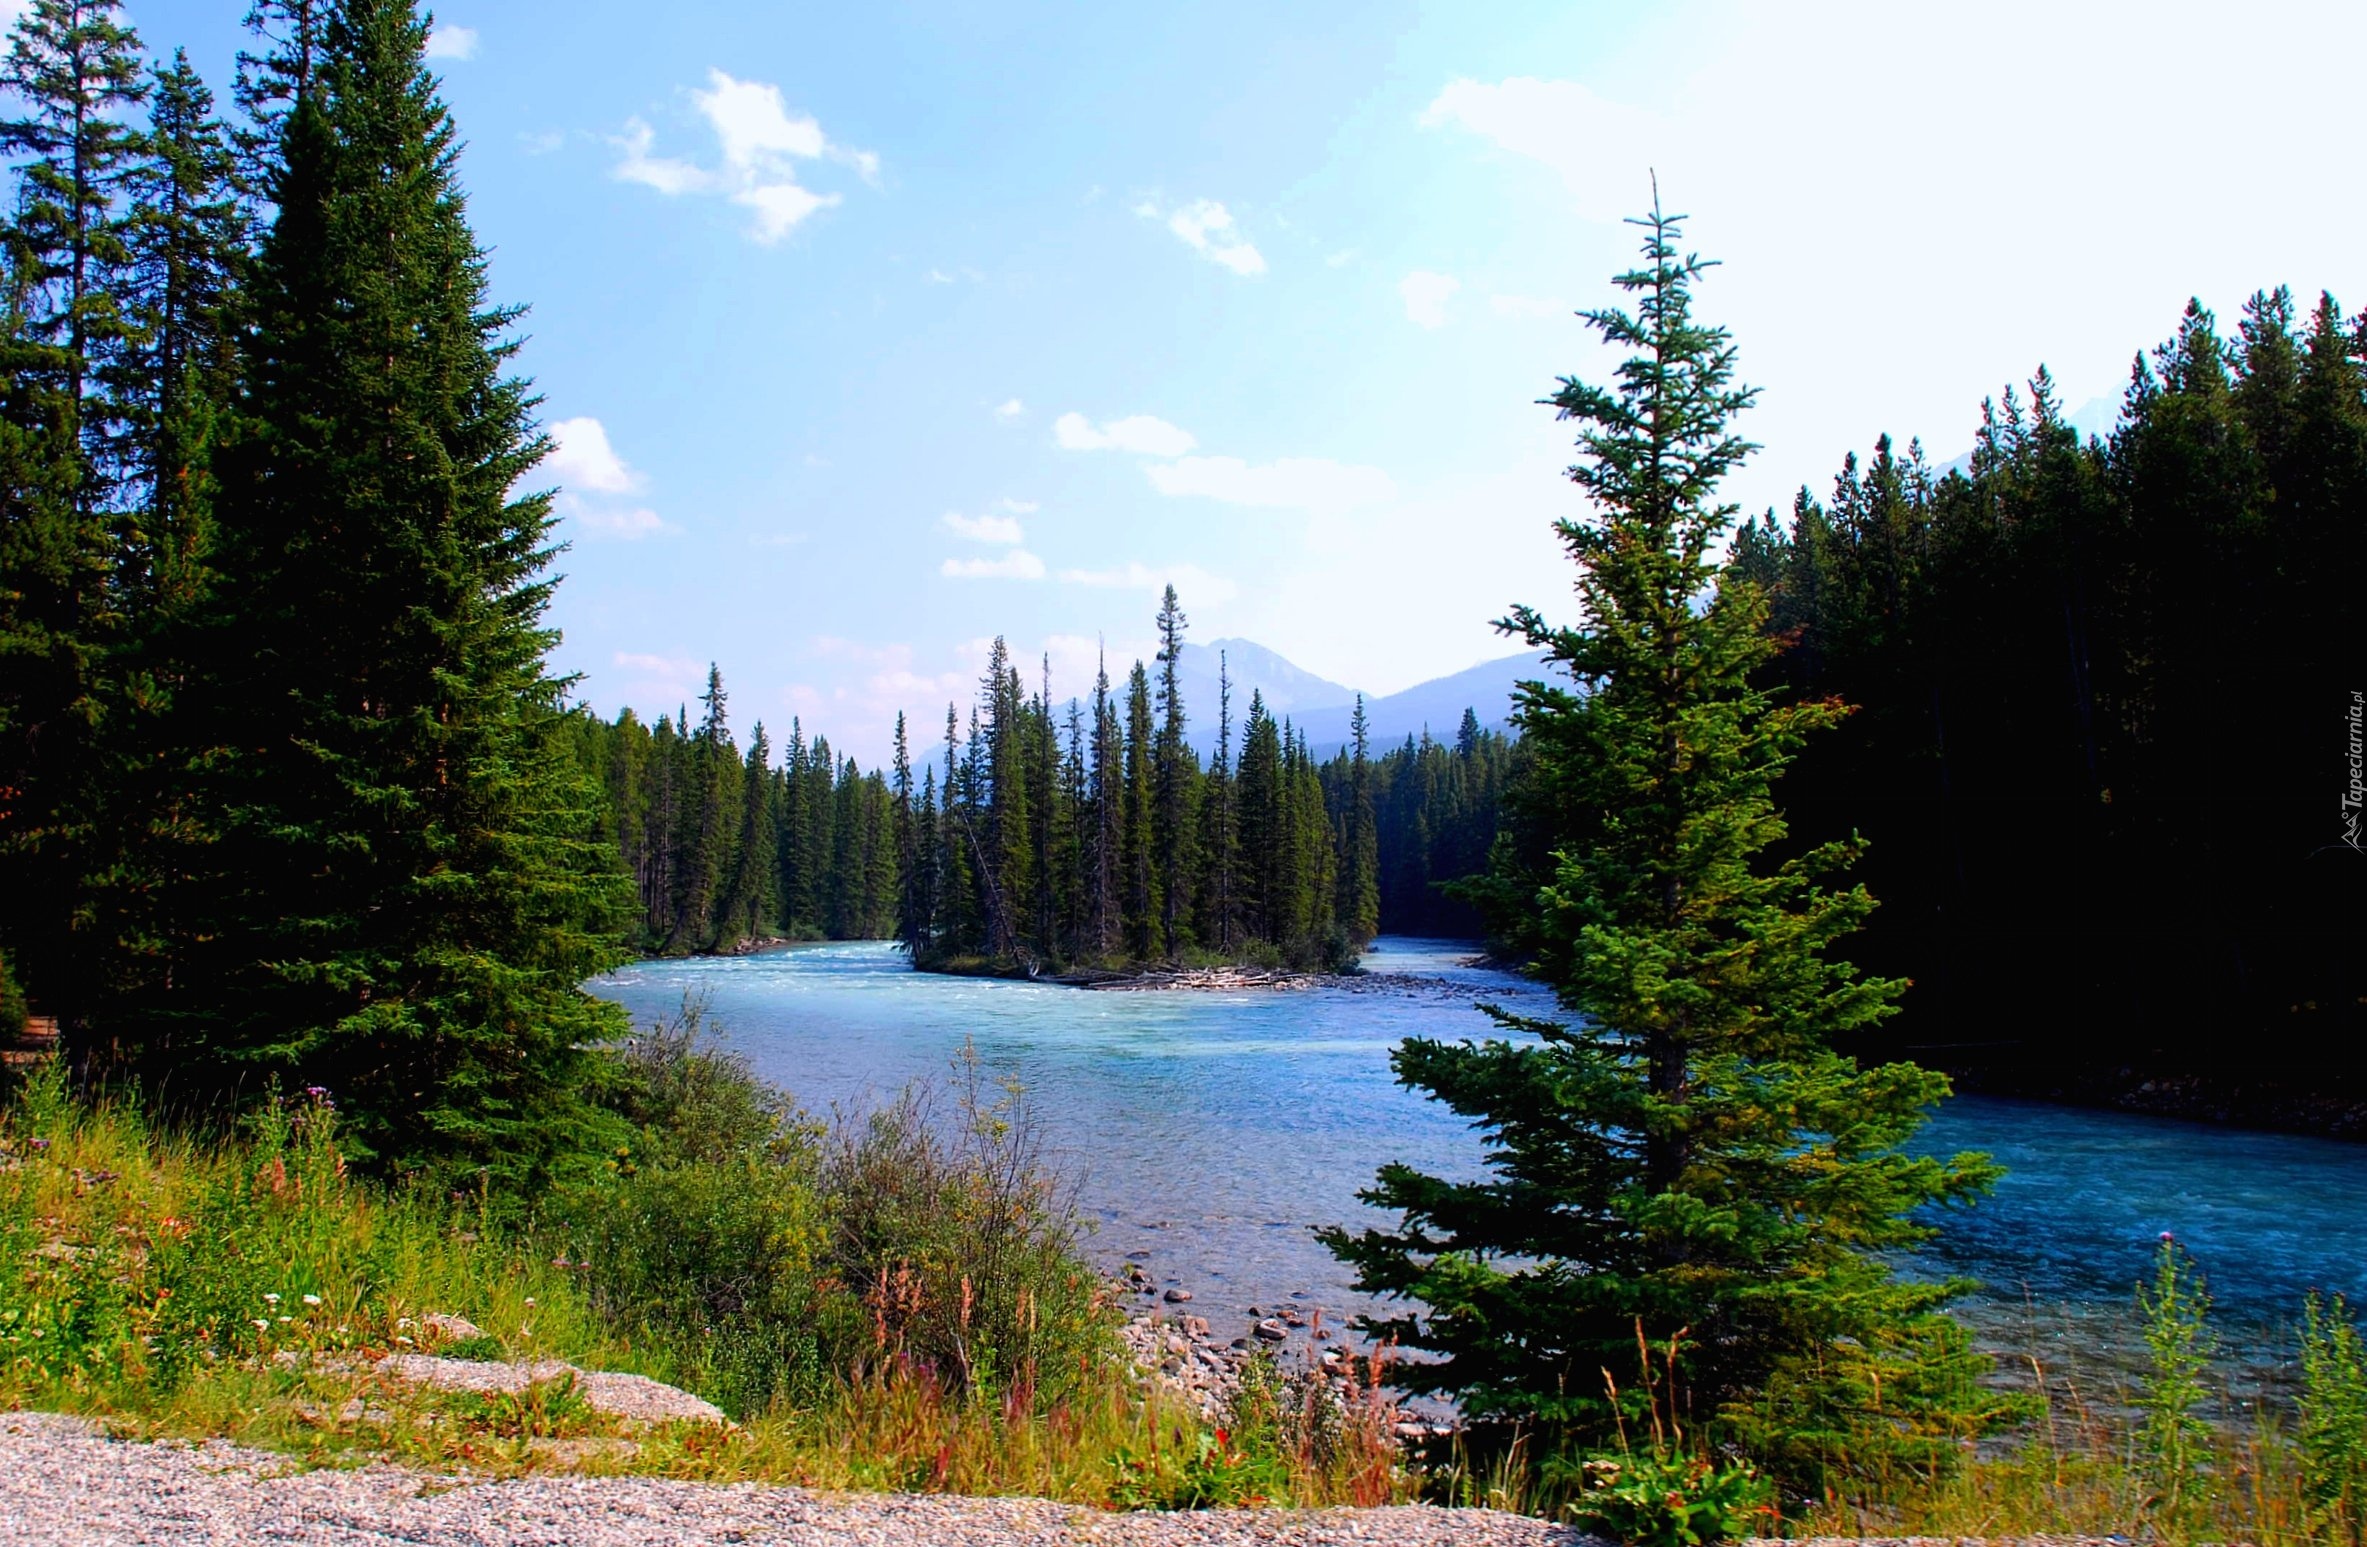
1323,708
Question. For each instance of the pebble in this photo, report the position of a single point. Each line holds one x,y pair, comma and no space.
64,1483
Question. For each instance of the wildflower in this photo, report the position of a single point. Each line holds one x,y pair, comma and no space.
271,1299
261,1325
312,1299
406,1342
530,1299
284,1320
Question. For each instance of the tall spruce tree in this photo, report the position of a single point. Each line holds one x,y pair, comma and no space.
1687,1160
73,72
1172,780
1360,841
410,879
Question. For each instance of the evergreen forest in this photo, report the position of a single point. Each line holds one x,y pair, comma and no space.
1034,835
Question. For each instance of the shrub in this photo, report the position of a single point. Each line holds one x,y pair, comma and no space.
1661,1499
2333,1429
762,1256
2174,1442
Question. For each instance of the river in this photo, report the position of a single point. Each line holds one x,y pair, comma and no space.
1209,1131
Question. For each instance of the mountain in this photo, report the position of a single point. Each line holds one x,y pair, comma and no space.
1435,706
1323,708
1289,690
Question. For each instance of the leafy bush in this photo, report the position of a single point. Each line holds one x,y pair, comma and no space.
1661,1499
767,1256
2333,1431
2174,1441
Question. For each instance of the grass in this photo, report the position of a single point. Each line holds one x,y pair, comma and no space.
890,1300
896,1299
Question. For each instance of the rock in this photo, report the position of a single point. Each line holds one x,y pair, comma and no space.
1271,1331
1177,1296
1196,1328
1241,1343
449,1329
633,1398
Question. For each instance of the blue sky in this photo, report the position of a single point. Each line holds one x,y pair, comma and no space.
873,331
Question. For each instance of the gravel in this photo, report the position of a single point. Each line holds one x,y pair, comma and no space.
63,1481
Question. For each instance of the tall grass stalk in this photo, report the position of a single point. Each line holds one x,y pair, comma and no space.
895,1301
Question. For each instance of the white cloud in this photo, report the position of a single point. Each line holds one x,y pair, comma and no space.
667,175
1009,408
592,477
541,142
1291,483
984,529
1207,228
1017,507
1018,564
449,42
1426,295
582,459
761,142
1139,433
1529,306
1594,144
1188,579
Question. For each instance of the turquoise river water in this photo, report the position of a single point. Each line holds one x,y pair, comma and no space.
1209,1131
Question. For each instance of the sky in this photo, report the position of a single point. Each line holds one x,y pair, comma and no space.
868,333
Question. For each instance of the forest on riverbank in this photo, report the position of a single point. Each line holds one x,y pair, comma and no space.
1080,834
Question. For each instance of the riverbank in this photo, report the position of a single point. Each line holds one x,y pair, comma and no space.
67,1481
1146,978
2228,1100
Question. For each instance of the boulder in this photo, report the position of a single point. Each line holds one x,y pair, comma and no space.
632,1398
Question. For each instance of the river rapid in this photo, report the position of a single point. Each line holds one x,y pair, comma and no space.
1208,1132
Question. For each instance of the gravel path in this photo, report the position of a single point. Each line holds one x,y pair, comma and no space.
63,1481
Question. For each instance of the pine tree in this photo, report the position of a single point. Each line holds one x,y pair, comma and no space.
705,838
1222,821
1137,818
410,880
911,911
1259,794
270,84
74,72
187,242
76,68
1173,777
751,897
54,628
1688,1161
1107,912
1360,846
